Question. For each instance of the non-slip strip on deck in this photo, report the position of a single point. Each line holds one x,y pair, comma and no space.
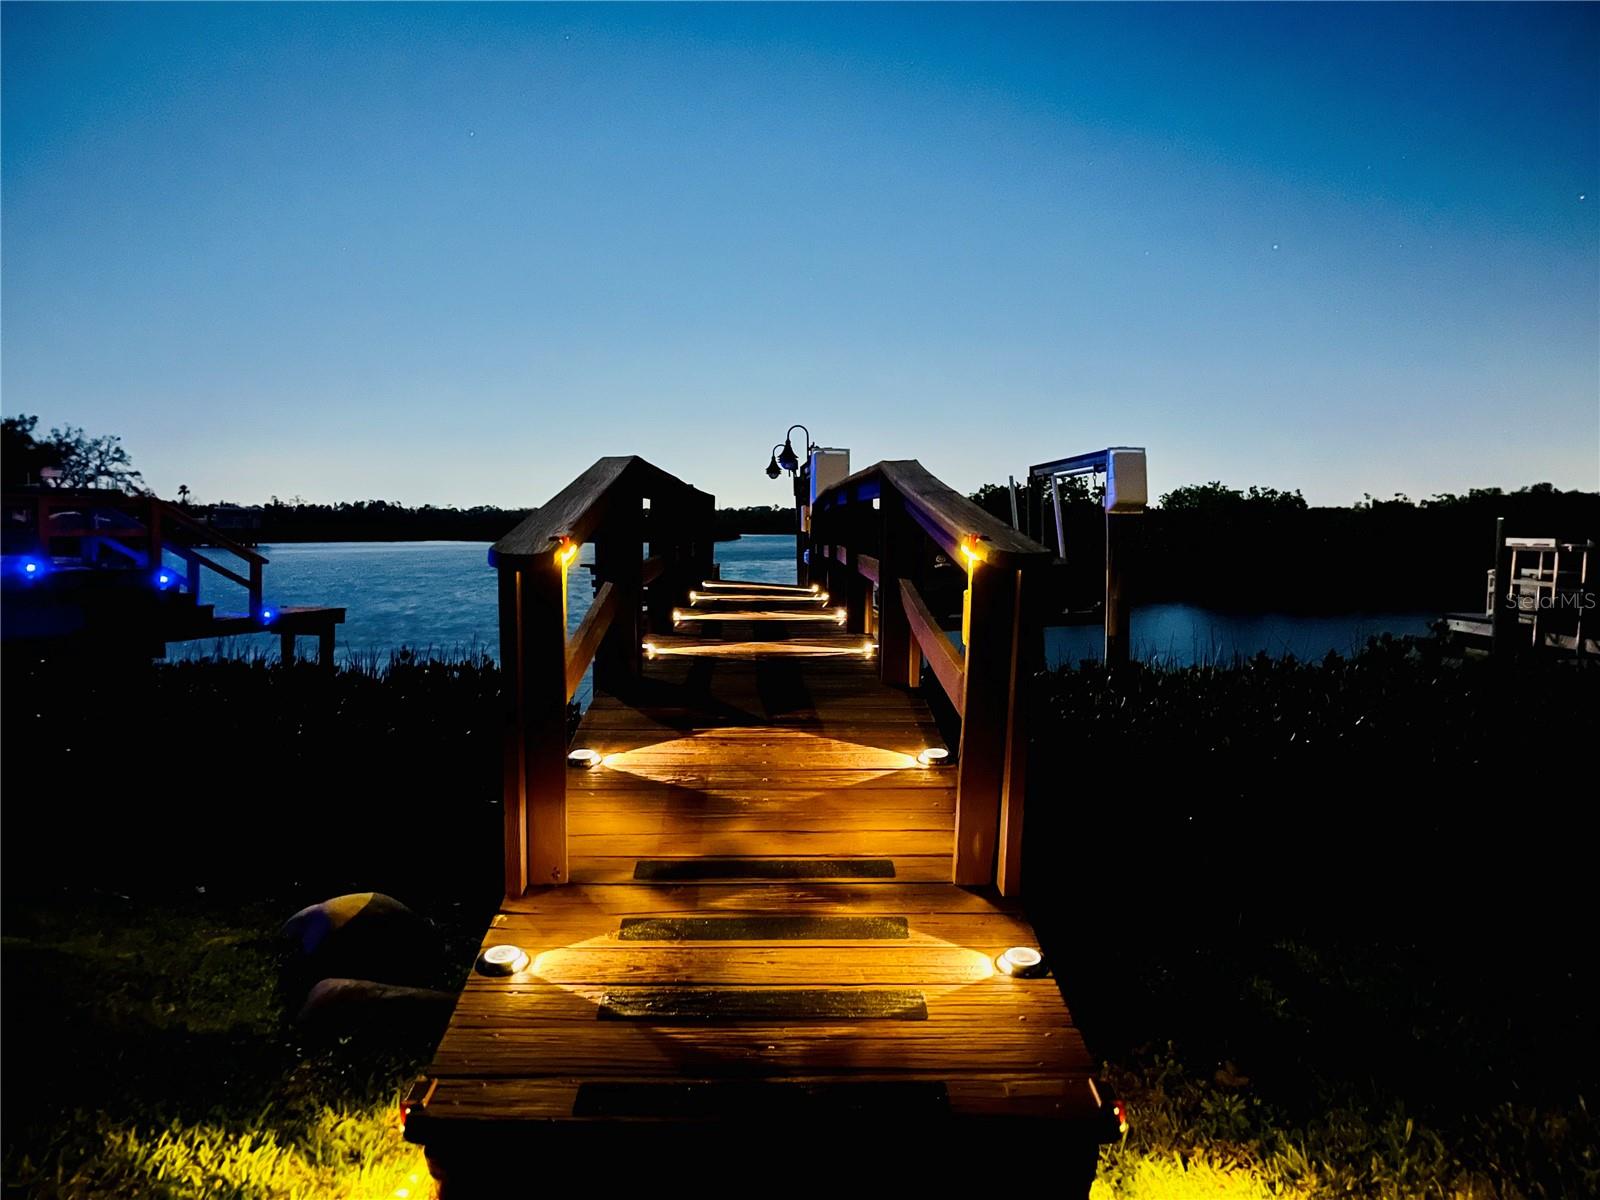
674,1004
739,1101
764,928
662,870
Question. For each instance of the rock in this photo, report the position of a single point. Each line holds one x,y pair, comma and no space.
342,1007
364,935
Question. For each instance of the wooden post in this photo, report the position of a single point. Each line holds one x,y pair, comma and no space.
619,559
286,648
514,797
1117,613
325,647
899,659
1027,656
1504,618
255,588
544,735
857,591
987,709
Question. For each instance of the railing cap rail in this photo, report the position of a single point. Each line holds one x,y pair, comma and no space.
577,509
946,514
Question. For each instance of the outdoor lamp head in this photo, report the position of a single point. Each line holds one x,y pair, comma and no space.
773,470
788,460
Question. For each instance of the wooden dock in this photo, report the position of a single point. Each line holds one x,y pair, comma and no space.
750,943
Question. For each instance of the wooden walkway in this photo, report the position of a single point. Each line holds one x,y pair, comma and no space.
759,927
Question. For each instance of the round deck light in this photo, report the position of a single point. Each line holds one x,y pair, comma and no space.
583,759
268,615
933,756
649,649
502,960
163,579
30,568
1022,961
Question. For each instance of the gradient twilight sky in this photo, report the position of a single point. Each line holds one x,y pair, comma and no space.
452,254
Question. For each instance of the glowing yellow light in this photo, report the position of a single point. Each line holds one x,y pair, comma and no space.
1021,960
567,551
822,596
748,614
867,648
759,597
736,585
694,597
504,959
971,550
816,587
583,759
933,756
649,649
840,615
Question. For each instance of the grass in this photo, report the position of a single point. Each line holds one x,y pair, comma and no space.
1324,943
149,1054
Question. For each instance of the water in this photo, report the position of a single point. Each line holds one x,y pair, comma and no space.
439,598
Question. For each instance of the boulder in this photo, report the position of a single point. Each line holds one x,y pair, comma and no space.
364,1008
364,935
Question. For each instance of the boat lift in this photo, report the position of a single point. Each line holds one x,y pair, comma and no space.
1127,493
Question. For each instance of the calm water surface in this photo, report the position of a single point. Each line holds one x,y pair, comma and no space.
439,598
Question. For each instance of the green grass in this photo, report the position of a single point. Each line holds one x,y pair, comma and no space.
149,1055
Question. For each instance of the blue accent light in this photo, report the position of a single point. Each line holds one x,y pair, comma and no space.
163,579
32,568
267,614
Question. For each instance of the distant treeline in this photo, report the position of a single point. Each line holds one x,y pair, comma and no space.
1265,550
383,521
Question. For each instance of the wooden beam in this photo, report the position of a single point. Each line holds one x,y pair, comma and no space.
514,795
985,713
948,663
543,610
1027,656
584,643
867,567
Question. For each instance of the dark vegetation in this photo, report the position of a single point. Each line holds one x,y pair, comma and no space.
1268,551
1328,922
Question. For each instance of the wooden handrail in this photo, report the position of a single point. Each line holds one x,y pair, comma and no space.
948,663
543,667
882,525
945,515
583,644
578,509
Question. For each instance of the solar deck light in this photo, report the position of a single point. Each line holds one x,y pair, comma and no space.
566,551
268,615
502,960
163,579
31,568
816,587
583,759
867,648
841,615
677,615
933,756
1022,961
649,649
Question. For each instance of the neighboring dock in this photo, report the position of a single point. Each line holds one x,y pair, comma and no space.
116,573
733,928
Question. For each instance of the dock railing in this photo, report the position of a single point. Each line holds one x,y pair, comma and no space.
81,523
896,529
621,505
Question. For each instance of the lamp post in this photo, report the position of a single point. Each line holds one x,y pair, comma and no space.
785,459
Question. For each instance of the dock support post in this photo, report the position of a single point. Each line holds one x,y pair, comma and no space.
899,659
1118,614
325,647
988,705
1505,618
286,648
533,656
619,560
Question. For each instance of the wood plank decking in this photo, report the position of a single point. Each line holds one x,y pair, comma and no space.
766,759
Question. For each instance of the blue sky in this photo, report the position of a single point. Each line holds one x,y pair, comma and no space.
452,254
